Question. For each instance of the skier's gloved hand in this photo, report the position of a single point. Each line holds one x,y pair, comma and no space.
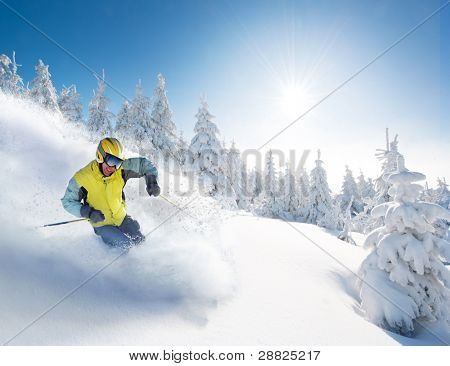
96,216
91,214
152,185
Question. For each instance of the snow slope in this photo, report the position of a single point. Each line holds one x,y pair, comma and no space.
202,278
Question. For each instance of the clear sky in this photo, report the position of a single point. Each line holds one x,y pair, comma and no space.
261,64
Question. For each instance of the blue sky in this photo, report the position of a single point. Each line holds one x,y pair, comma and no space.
261,63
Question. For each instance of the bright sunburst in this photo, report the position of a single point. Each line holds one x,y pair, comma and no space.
294,98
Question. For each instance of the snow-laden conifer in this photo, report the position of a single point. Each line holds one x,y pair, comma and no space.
244,180
366,188
346,233
321,208
403,278
42,90
10,81
70,105
183,152
268,203
303,192
255,185
99,120
234,172
163,130
427,193
350,192
124,123
388,158
141,127
289,195
441,196
206,157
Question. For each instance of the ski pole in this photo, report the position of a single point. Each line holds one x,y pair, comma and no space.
63,222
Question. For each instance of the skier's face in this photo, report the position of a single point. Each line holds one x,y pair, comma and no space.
108,170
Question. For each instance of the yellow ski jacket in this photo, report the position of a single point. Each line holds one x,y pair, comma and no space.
105,194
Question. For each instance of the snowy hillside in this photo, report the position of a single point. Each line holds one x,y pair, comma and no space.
205,277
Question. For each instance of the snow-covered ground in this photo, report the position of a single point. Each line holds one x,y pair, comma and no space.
203,278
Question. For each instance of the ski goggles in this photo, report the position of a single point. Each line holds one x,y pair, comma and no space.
113,161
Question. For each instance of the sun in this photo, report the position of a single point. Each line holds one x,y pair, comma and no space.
294,99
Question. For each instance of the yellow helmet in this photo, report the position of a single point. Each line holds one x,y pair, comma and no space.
109,146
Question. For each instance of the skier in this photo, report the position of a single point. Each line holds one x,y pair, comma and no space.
96,193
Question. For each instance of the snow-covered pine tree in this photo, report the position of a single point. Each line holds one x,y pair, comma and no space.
303,189
388,158
206,157
10,81
366,191
183,151
289,199
245,185
5,73
442,195
366,188
163,131
142,128
234,172
403,279
42,91
124,123
70,105
254,187
15,81
349,193
346,233
321,208
99,120
268,204
427,193
303,183
225,158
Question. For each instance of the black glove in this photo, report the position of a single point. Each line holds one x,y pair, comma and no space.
152,185
91,214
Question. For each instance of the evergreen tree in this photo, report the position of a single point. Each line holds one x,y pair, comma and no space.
206,156
124,123
245,183
442,194
183,151
303,192
70,105
442,197
388,160
254,188
366,188
427,194
141,126
10,81
346,233
405,265
321,209
362,221
268,204
234,172
42,91
349,193
163,131
289,199
99,121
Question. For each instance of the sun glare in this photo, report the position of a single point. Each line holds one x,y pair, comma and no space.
294,99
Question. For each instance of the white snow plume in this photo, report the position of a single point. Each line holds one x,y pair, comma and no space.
176,265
